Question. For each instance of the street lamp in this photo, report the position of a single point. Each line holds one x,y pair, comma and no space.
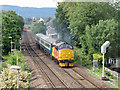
17,68
11,44
103,51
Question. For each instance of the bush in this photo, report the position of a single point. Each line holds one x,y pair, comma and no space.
3,65
9,78
25,67
97,57
13,58
0,67
77,55
107,73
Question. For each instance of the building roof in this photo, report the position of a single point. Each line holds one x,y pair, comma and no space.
49,23
41,20
51,30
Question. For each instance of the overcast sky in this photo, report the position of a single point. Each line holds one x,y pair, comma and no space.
30,3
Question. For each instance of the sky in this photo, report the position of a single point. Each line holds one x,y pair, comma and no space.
39,3
30,3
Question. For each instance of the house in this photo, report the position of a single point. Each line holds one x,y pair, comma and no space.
51,31
37,20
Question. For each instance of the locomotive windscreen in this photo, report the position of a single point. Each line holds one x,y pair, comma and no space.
65,46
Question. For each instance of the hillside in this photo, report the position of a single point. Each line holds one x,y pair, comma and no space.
30,11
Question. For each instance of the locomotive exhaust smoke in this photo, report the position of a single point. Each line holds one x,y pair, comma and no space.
66,37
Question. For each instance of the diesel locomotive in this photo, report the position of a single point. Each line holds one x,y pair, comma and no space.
60,51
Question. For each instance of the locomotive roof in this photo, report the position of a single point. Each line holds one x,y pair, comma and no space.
58,43
46,38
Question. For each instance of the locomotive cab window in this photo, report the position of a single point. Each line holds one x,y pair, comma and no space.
65,46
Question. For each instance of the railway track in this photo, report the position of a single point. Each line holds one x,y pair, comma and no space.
53,80
55,77
85,83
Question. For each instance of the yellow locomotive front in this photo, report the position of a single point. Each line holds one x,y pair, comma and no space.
66,58
64,54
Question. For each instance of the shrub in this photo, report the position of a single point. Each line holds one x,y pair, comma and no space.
13,58
97,57
0,67
9,78
25,67
3,65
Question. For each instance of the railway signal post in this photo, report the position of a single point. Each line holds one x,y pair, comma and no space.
20,43
103,51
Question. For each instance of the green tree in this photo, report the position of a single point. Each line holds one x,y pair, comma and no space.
39,28
87,14
61,23
75,16
48,19
106,30
12,25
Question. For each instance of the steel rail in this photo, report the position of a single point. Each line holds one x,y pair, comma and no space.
52,70
46,66
87,79
37,64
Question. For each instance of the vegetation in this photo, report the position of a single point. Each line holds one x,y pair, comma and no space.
39,28
9,76
12,60
96,35
12,26
90,25
48,19
98,74
61,23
